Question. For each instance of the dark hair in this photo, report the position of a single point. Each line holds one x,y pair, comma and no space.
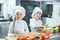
13,25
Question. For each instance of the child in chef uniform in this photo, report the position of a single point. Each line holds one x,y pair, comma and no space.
20,26
35,21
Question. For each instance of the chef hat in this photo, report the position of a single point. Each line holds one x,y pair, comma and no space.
36,9
19,9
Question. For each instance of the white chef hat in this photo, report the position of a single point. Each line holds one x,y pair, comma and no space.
19,9
36,9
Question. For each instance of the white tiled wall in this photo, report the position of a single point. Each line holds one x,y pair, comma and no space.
55,20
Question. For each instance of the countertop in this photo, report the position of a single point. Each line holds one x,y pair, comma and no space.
55,36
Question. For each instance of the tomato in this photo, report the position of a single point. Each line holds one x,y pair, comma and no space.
46,36
30,38
19,38
24,38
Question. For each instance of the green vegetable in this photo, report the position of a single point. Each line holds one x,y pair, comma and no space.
20,35
56,28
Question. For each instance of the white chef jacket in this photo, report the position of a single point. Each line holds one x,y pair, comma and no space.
20,26
34,23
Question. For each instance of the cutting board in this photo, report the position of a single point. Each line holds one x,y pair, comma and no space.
11,38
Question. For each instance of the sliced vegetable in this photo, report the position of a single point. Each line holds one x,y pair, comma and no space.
20,35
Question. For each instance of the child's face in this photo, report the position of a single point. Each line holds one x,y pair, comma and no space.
37,15
18,15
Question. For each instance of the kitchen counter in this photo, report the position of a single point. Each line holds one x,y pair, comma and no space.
4,26
55,36
5,20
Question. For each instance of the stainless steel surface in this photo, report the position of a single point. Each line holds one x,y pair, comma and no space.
4,26
55,36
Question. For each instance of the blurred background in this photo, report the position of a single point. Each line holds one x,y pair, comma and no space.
50,8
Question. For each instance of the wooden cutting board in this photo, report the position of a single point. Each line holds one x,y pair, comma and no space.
11,38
